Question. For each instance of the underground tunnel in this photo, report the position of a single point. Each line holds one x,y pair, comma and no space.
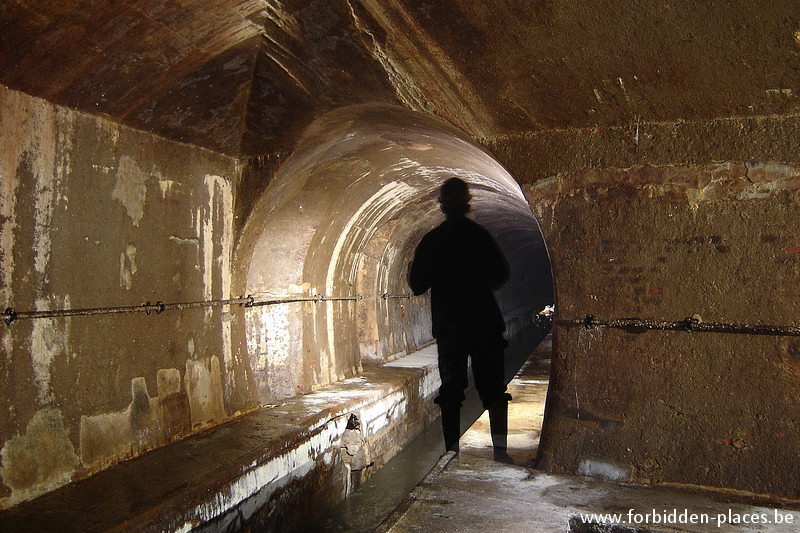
324,318
207,209
341,219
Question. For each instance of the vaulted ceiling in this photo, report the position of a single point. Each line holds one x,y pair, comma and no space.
246,77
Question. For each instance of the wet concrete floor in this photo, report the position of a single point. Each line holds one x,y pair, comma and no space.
469,491
388,488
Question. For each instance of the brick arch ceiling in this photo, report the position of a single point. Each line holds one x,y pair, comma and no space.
248,76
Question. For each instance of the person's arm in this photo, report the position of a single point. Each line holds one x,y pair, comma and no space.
418,271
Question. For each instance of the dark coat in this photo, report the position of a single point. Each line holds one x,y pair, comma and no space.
462,265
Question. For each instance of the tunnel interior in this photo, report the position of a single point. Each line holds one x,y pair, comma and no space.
341,219
196,153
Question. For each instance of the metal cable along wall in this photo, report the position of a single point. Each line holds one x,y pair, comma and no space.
688,324
10,315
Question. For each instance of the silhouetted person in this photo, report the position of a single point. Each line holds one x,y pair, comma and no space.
462,265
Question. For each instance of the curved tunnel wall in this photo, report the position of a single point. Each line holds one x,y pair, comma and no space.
341,219
155,219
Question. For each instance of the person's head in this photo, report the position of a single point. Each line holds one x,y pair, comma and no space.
454,197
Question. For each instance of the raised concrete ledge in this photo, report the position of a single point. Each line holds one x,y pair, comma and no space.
276,468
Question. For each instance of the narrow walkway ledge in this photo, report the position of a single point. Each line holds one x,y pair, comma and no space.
275,469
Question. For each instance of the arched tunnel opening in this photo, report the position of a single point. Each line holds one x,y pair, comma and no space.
341,219
335,231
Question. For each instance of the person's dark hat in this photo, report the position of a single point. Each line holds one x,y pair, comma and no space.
454,195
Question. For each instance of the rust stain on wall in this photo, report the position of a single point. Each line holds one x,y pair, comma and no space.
107,438
204,387
175,414
41,459
148,421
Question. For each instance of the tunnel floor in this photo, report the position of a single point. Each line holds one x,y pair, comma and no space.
379,498
469,491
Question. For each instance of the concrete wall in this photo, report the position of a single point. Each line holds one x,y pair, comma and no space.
97,215
679,236
94,215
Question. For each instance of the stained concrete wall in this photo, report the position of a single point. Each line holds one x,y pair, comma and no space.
98,215
94,214
643,223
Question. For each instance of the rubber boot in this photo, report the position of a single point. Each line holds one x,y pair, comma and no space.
451,426
498,424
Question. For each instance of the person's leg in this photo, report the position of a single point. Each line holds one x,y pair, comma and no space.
488,369
451,427
498,424
453,373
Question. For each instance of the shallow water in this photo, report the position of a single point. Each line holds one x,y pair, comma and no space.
377,497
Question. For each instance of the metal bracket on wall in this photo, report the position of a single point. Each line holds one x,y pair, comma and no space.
387,296
689,324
